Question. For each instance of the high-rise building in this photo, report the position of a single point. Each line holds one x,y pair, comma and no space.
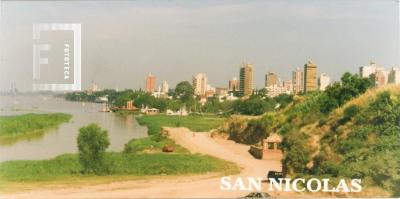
233,84
246,79
297,80
150,83
288,85
380,77
271,79
323,81
164,87
200,84
367,71
310,76
394,76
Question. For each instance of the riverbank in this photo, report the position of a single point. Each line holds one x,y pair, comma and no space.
66,168
155,142
187,186
28,126
145,161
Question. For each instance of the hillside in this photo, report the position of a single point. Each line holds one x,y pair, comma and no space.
359,138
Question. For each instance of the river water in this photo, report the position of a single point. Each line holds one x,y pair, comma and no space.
121,128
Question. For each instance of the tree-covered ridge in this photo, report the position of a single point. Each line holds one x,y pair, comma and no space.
360,139
351,130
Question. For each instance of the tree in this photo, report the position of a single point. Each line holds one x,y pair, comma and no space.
184,91
92,144
254,106
339,93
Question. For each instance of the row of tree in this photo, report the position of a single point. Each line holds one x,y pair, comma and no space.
183,96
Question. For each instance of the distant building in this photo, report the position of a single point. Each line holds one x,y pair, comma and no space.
130,105
297,80
164,87
233,84
93,88
275,90
394,76
288,84
246,80
271,79
150,83
310,76
181,112
149,111
231,97
323,81
380,77
221,91
200,84
367,71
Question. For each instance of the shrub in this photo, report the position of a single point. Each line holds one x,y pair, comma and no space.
92,144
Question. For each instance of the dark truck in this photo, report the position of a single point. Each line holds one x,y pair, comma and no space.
275,175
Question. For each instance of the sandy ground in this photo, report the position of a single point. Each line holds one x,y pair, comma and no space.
180,187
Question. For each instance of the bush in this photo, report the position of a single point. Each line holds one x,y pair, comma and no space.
92,144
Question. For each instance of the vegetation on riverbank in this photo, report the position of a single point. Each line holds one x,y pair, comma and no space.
66,167
183,97
349,131
13,128
127,165
155,142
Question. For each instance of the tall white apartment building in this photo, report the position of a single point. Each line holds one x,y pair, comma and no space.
323,81
394,76
367,71
297,81
200,84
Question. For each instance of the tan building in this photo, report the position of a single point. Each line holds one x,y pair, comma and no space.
233,84
275,90
150,83
380,77
246,80
221,91
310,77
297,80
394,76
271,79
200,84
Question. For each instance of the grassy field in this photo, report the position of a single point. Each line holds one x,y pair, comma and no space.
155,141
144,159
66,167
26,126
192,122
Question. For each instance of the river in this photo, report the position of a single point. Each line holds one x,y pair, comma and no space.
121,128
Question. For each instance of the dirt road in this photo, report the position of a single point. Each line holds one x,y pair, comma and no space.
179,187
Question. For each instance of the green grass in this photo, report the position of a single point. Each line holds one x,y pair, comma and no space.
27,126
192,122
155,142
67,167
151,144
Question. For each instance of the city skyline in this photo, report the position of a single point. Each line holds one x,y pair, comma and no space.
175,38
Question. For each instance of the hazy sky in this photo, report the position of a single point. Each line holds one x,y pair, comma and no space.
123,41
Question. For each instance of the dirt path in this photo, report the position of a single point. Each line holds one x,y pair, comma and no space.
179,187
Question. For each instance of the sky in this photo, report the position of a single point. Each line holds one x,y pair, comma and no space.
124,41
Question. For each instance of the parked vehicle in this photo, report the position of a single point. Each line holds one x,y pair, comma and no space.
258,195
275,175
